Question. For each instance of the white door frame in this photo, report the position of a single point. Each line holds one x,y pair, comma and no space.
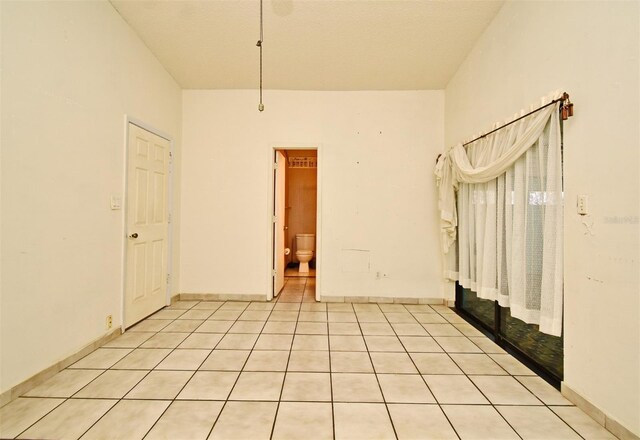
132,120
271,199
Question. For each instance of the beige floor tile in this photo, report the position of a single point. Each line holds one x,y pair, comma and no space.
534,423
384,343
351,362
70,420
129,340
362,421
260,306
102,358
215,327
161,385
201,340
208,305
312,316
184,359
429,318
314,307
452,318
18,415
235,305
165,340
359,307
393,308
442,309
400,317
128,420
434,363
286,307
310,342
183,325
209,385
582,423
423,422
245,420
377,329
512,365
355,387
258,386
478,422
393,363
469,330
504,390
309,361
442,330
247,327
225,315
255,315
142,359
487,345
112,384
371,317
342,317
419,308
282,327
404,329
64,384
278,315
404,388
196,314
454,389
182,305
225,360
339,307
457,344
186,420
420,344
150,325
301,387
167,314
312,328
344,328
543,391
274,342
347,343
267,360
477,363
300,420
237,341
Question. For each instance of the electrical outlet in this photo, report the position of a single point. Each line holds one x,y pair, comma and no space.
109,321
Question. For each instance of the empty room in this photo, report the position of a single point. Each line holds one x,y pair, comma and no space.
320,219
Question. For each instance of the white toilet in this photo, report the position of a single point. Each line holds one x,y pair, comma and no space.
305,245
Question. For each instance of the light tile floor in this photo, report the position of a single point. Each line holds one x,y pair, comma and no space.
297,369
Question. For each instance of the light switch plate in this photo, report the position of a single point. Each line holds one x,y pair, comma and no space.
116,202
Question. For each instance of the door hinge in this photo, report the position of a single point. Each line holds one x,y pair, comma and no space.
275,166
168,278
273,273
169,218
275,218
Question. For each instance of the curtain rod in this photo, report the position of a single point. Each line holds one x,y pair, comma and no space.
566,111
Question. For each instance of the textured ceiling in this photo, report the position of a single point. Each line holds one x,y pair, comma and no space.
310,44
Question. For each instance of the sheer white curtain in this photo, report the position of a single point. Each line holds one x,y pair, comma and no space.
507,217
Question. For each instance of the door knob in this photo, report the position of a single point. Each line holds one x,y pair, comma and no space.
134,235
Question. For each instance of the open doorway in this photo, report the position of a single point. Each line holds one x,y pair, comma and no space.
295,217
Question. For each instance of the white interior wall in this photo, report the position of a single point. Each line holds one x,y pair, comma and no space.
72,70
377,151
590,50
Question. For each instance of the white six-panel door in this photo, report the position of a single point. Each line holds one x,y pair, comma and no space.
147,224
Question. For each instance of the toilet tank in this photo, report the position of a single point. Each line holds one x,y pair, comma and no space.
306,242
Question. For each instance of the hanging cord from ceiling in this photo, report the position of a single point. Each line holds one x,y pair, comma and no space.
259,44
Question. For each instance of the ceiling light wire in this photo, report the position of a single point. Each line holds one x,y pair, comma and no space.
259,44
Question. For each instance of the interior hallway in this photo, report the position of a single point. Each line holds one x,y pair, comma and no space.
294,368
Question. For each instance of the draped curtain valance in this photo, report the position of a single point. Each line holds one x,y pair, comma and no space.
500,198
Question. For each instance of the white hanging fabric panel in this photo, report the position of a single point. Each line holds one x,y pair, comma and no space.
502,234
